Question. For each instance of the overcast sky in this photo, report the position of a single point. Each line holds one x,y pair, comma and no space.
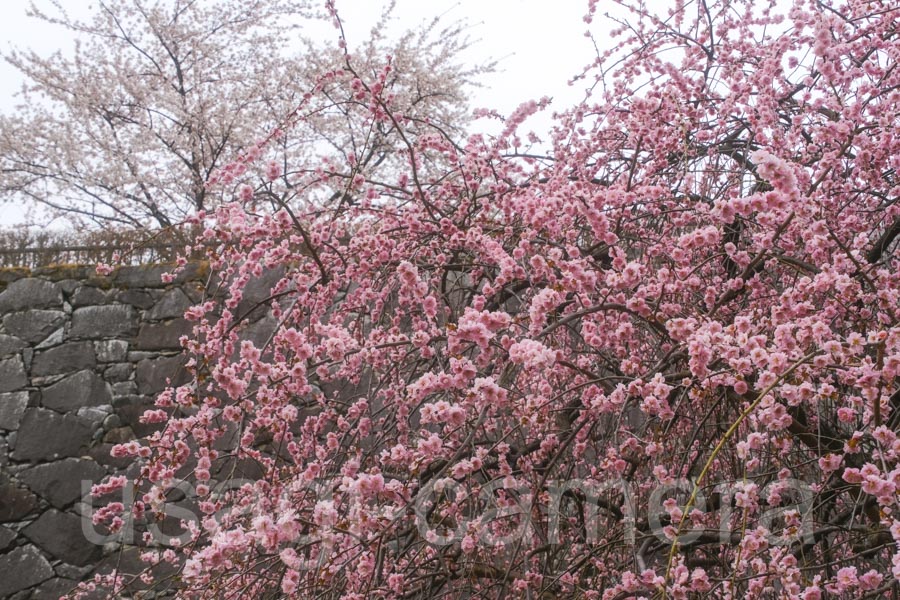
539,45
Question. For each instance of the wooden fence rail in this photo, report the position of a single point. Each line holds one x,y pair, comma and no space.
42,256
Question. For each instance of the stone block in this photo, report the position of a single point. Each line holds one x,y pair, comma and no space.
195,290
118,435
94,418
66,272
54,339
22,568
27,355
118,372
15,502
102,454
12,408
30,293
55,588
7,537
72,572
130,409
111,350
255,300
150,276
260,288
141,276
87,295
10,344
73,356
84,388
229,467
172,305
124,388
95,322
12,374
163,335
151,374
70,285
47,435
260,331
10,274
111,422
33,325
60,535
60,482
138,298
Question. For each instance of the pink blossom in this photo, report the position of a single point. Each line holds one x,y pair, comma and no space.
532,354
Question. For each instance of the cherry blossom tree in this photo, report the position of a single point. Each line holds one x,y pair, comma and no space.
161,93
658,360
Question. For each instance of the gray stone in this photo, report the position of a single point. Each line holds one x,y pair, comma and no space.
256,294
137,298
46,435
124,388
151,374
22,568
87,295
130,409
93,415
163,335
195,290
12,407
71,571
73,356
228,467
111,422
60,482
83,509
94,322
111,350
54,339
15,502
141,355
172,304
150,276
118,372
60,534
54,588
102,454
260,288
84,388
10,274
27,355
33,325
119,435
10,344
260,331
65,272
30,293
12,374
7,537
69,285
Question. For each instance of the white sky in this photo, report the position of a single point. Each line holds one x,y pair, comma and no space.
539,45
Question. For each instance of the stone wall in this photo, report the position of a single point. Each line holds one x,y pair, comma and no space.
81,357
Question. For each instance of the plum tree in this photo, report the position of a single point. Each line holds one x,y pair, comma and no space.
659,359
